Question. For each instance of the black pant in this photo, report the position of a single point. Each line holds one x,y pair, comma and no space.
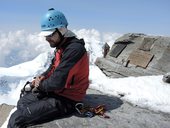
33,110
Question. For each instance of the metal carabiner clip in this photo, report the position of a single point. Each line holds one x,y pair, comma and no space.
79,107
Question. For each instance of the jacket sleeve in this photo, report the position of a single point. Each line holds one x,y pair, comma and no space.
45,73
48,69
70,57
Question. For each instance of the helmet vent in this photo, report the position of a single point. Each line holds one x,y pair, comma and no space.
50,19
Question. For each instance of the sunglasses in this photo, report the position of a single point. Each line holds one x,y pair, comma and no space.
51,34
56,30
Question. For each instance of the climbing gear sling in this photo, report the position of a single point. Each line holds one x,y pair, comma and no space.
88,111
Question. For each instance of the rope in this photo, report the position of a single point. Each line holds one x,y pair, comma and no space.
88,111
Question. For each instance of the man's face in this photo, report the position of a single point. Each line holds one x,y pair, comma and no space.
54,39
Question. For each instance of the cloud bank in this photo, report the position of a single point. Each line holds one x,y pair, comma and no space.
19,46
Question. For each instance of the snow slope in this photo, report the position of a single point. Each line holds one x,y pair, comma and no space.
146,91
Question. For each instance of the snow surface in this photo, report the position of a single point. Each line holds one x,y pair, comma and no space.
146,91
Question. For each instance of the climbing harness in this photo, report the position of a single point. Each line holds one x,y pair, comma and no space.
88,111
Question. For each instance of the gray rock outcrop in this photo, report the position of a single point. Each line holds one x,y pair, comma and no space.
122,115
4,112
166,77
136,54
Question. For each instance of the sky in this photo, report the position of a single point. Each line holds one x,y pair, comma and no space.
120,16
146,91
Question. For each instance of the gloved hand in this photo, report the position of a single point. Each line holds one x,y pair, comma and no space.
37,81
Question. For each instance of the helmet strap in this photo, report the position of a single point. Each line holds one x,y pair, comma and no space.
61,36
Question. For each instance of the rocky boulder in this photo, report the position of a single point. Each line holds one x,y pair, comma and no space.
4,112
122,115
136,54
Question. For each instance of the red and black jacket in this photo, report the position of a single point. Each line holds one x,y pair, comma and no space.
68,74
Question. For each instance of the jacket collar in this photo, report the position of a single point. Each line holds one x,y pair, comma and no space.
69,34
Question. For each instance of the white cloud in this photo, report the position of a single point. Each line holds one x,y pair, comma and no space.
95,40
110,38
20,46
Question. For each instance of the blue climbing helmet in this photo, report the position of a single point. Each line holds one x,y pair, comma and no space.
53,19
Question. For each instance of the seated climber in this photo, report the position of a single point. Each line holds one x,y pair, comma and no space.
63,84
